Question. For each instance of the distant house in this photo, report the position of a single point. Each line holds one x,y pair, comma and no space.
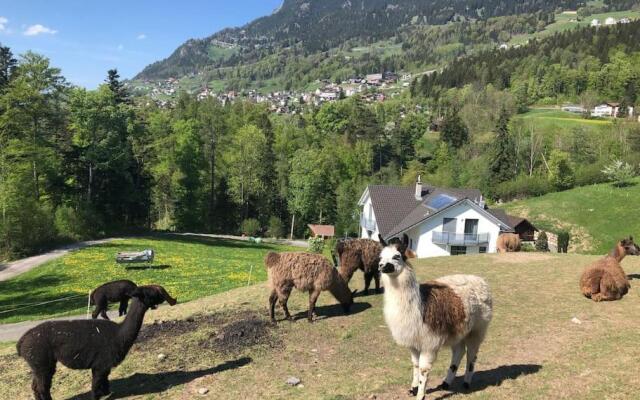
625,20
438,221
610,110
374,79
610,21
595,22
323,231
504,46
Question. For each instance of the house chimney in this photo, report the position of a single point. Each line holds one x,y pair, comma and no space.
419,189
482,203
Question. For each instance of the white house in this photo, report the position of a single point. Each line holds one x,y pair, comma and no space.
438,221
595,22
610,21
609,110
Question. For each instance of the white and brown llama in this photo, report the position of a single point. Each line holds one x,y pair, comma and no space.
452,311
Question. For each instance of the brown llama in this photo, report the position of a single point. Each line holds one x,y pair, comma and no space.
605,279
362,254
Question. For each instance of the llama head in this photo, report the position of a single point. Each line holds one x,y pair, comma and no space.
153,295
394,255
630,248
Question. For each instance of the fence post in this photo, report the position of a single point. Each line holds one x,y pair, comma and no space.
88,304
250,271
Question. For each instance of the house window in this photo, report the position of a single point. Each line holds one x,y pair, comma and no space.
483,249
458,250
449,225
411,244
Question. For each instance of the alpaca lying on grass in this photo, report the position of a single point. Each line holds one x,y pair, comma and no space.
508,243
452,311
306,272
86,344
605,279
362,254
112,292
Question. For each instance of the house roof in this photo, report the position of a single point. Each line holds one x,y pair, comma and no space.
397,209
510,220
322,230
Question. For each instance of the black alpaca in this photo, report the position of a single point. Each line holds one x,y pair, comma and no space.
86,344
112,292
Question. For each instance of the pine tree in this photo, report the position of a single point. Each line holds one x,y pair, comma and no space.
117,87
454,131
503,163
7,66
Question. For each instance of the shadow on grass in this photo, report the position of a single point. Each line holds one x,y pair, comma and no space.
633,276
370,292
146,267
216,242
145,384
492,377
334,310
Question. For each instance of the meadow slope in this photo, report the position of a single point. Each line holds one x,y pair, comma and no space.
533,349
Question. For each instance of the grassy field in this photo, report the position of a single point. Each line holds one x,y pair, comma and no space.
533,349
597,216
187,266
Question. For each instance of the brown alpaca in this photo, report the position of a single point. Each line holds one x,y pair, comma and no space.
508,243
605,279
362,254
306,272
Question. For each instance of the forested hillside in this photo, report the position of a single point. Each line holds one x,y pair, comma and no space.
305,27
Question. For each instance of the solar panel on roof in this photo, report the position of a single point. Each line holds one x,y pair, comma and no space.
440,201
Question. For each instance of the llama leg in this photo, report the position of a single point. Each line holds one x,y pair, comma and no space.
283,297
457,352
415,360
42,378
473,342
425,364
367,281
376,278
122,310
313,297
272,305
99,383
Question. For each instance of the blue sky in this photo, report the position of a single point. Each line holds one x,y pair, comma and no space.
85,38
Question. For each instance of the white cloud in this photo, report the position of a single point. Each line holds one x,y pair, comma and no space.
38,29
3,23
141,36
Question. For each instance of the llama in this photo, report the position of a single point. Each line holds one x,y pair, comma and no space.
306,272
116,291
452,311
508,243
605,279
362,254
98,345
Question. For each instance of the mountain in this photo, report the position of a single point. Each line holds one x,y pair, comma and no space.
305,27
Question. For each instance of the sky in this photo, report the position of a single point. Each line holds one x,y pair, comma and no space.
85,38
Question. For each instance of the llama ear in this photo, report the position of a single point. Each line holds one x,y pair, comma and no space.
404,244
382,242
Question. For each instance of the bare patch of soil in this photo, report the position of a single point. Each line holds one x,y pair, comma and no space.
161,329
518,258
247,331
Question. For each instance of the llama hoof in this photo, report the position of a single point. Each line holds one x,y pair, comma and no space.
466,386
413,391
443,386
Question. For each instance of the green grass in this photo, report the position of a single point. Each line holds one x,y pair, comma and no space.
564,22
532,350
597,216
562,118
189,268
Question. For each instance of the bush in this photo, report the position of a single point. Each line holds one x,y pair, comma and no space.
589,174
542,242
523,186
316,244
561,173
29,228
250,227
78,225
620,173
276,228
563,241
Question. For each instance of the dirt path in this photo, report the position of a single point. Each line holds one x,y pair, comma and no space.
14,268
12,332
286,242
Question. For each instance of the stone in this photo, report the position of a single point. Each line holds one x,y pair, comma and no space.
293,381
203,391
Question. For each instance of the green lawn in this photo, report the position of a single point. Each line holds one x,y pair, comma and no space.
596,215
533,350
189,268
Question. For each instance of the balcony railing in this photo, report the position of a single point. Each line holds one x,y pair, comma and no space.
460,239
367,223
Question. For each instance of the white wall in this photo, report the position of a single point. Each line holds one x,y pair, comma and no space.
421,235
369,213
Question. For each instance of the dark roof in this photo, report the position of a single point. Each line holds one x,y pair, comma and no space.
511,220
391,205
396,208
